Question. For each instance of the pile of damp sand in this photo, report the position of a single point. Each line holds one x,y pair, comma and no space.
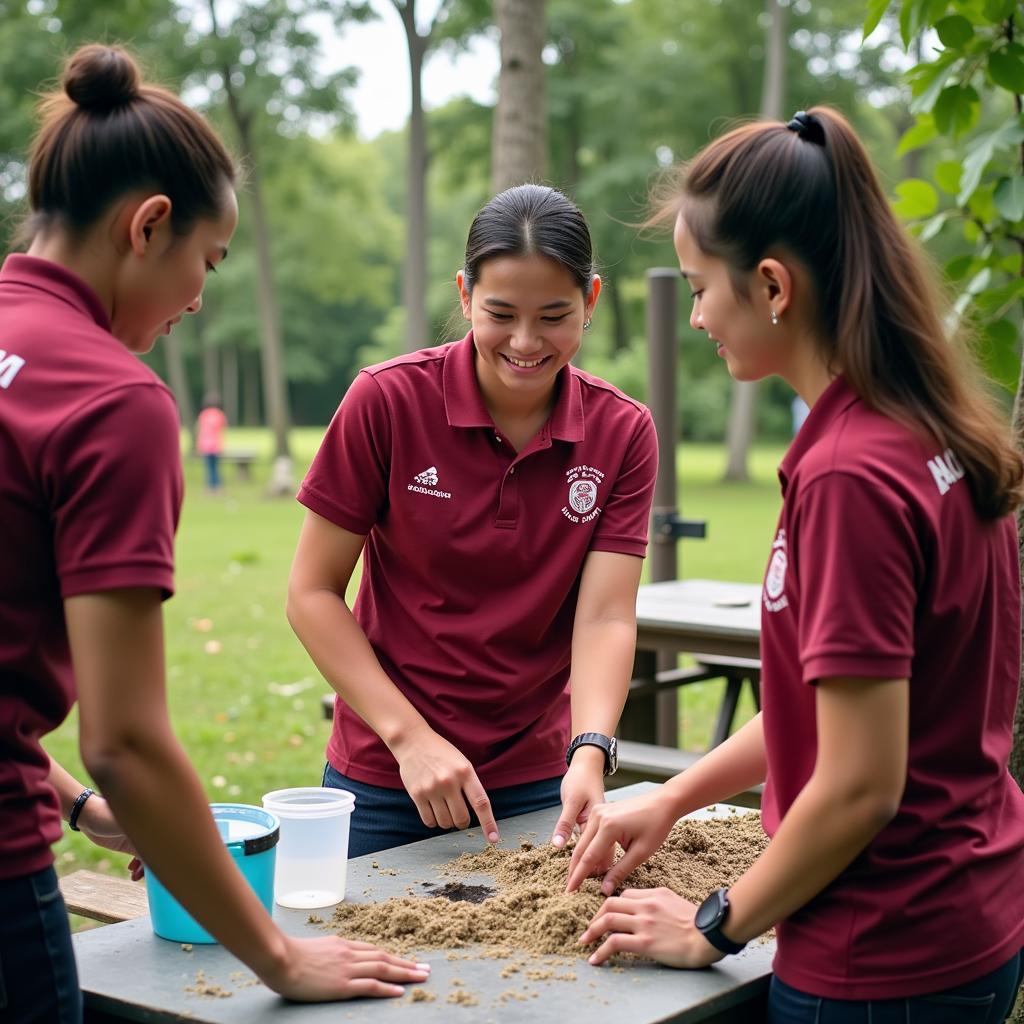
530,909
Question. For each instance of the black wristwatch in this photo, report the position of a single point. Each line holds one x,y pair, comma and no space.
710,917
596,739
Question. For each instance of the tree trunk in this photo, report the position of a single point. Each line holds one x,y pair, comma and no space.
519,137
743,407
620,320
414,282
251,413
229,379
276,393
178,381
210,363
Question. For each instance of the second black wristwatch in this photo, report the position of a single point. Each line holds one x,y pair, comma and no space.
710,917
596,739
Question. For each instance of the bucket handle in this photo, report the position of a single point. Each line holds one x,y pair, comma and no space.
258,844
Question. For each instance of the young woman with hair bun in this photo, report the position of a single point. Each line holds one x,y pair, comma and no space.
132,205
499,499
890,636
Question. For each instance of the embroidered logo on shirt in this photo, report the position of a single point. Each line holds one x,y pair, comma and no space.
426,483
775,579
10,364
583,482
946,470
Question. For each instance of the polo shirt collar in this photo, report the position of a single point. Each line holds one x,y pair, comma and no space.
464,401
834,401
58,281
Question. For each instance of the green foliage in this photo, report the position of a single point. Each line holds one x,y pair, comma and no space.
967,102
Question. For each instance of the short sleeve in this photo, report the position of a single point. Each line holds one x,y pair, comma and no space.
858,561
348,480
626,514
113,474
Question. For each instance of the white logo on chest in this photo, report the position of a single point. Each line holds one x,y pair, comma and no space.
584,483
775,578
426,483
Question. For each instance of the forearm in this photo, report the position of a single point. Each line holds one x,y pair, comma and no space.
152,789
339,648
823,831
602,663
67,786
732,767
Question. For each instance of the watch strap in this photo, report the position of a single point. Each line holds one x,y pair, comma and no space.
595,739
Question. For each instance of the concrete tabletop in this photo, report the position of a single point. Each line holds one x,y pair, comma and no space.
127,973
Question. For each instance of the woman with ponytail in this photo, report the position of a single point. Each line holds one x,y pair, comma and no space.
132,204
890,637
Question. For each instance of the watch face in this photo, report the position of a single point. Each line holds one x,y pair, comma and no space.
710,912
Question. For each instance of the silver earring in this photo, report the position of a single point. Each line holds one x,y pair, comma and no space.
774,317
586,325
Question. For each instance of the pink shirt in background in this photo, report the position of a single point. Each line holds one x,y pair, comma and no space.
211,423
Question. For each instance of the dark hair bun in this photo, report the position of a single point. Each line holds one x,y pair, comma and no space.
101,77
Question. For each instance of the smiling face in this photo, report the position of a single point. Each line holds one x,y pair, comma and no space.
740,327
527,314
164,277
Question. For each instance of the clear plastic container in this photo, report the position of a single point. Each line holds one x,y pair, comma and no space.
312,856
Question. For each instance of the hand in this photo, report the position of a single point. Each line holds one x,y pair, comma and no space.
657,923
97,821
441,781
639,826
582,791
316,970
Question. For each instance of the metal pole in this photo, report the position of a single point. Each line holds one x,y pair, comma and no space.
655,718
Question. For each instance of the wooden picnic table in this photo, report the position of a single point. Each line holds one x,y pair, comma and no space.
127,973
709,618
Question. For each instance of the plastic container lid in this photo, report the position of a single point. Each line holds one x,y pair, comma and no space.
309,802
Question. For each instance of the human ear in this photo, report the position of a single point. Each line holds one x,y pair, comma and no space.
464,297
775,284
591,300
152,214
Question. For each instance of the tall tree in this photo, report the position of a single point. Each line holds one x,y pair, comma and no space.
261,62
453,22
743,406
520,119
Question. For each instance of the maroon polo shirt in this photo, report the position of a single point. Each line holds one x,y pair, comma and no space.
881,568
473,554
91,470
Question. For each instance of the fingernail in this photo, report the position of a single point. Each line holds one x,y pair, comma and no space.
593,959
558,841
493,836
607,888
423,967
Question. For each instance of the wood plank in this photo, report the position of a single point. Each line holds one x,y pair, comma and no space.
105,898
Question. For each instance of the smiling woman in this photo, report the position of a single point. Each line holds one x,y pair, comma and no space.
499,498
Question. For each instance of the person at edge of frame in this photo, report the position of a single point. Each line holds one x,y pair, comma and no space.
499,498
890,637
132,205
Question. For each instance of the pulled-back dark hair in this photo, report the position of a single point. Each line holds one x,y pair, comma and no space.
105,132
815,194
530,220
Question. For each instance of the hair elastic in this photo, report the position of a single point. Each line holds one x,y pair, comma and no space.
807,127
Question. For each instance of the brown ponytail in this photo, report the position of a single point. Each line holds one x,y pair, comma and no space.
106,132
815,193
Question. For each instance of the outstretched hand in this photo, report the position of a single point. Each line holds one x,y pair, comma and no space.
656,923
639,826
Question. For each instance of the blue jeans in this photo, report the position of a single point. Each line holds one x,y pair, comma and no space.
384,818
986,1000
38,977
211,464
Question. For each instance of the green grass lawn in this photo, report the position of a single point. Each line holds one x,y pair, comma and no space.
244,697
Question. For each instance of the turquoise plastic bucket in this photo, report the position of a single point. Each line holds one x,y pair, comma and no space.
250,835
